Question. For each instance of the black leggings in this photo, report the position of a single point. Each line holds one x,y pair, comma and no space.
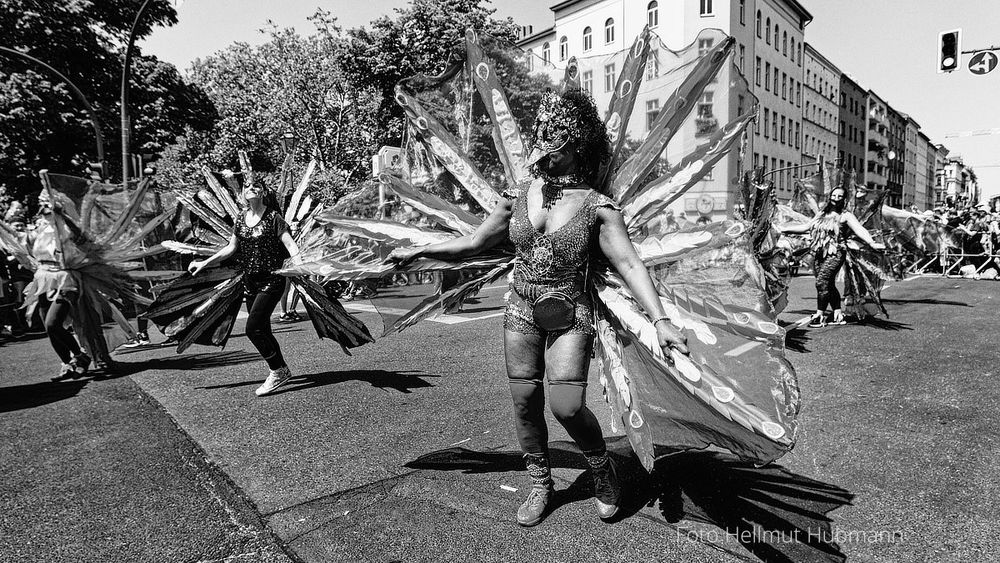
262,295
55,315
826,267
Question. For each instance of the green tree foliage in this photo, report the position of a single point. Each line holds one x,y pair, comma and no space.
43,126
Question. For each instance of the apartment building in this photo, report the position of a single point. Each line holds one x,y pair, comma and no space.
768,35
851,126
821,111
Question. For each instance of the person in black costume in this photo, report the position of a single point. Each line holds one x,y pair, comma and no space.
260,243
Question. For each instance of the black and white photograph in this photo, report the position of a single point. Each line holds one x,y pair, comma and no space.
324,281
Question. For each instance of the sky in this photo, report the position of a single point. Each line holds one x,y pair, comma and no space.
889,46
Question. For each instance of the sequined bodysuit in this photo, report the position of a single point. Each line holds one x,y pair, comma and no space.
555,261
260,250
828,236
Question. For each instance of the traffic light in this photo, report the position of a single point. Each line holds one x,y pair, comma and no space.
949,50
98,170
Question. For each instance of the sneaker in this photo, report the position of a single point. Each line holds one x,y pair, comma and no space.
838,319
817,321
607,491
66,371
532,510
80,363
276,378
141,339
285,318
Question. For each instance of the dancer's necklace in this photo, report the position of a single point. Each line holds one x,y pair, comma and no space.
552,189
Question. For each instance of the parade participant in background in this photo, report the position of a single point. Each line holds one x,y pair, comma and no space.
202,308
260,242
83,242
553,224
829,232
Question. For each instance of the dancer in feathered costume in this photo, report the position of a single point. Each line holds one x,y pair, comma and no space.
834,236
202,308
727,385
86,255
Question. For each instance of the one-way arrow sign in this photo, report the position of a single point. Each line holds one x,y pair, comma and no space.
982,62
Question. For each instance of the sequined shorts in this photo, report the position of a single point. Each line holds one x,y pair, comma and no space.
518,317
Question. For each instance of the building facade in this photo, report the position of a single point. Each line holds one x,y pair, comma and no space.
768,35
910,168
820,110
851,126
876,142
924,173
897,163
940,186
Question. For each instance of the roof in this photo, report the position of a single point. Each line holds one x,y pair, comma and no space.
535,36
822,58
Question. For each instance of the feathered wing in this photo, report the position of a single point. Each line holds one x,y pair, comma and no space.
203,310
100,240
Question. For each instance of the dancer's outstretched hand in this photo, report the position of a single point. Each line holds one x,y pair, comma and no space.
670,338
195,267
400,257
878,246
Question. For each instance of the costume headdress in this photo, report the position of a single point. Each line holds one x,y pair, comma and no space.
569,119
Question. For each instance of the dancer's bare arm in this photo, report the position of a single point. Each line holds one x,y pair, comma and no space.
492,232
618,248
860,230
223,253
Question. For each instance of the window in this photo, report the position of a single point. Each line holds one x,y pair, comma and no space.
784,43
775,80
653,14
652,110
705,105
783,138
563,48
776,36
774,163
546,54
609,31
796,134
767,76
609,77
809,77
739,104
653,65
767,118
756,160
587,81
784,86
588,39
781,175
807,110
704,46
757,72
743,52
757,24
706,7
843,100
800,54
743,12
792,51
798,94
767,31
529,57
774,125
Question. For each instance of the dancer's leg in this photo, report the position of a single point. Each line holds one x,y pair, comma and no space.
55,315
260,306
567,359
525,368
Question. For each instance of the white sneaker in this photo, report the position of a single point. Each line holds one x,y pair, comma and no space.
276,378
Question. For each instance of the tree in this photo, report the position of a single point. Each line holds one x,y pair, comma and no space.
290,83
43,126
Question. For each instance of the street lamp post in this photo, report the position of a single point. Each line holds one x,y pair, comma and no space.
126,119
99,138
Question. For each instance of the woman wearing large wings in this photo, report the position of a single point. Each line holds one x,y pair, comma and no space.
733,389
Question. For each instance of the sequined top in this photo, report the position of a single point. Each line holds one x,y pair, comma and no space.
555,261
828,236
260,250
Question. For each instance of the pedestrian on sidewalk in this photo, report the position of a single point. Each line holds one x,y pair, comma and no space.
260,243
556,223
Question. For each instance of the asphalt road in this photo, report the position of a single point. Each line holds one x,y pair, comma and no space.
405,450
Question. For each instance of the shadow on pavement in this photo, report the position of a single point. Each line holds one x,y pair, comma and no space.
926,302
796,339
402,381
34,395
206,360
884,324
775,514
